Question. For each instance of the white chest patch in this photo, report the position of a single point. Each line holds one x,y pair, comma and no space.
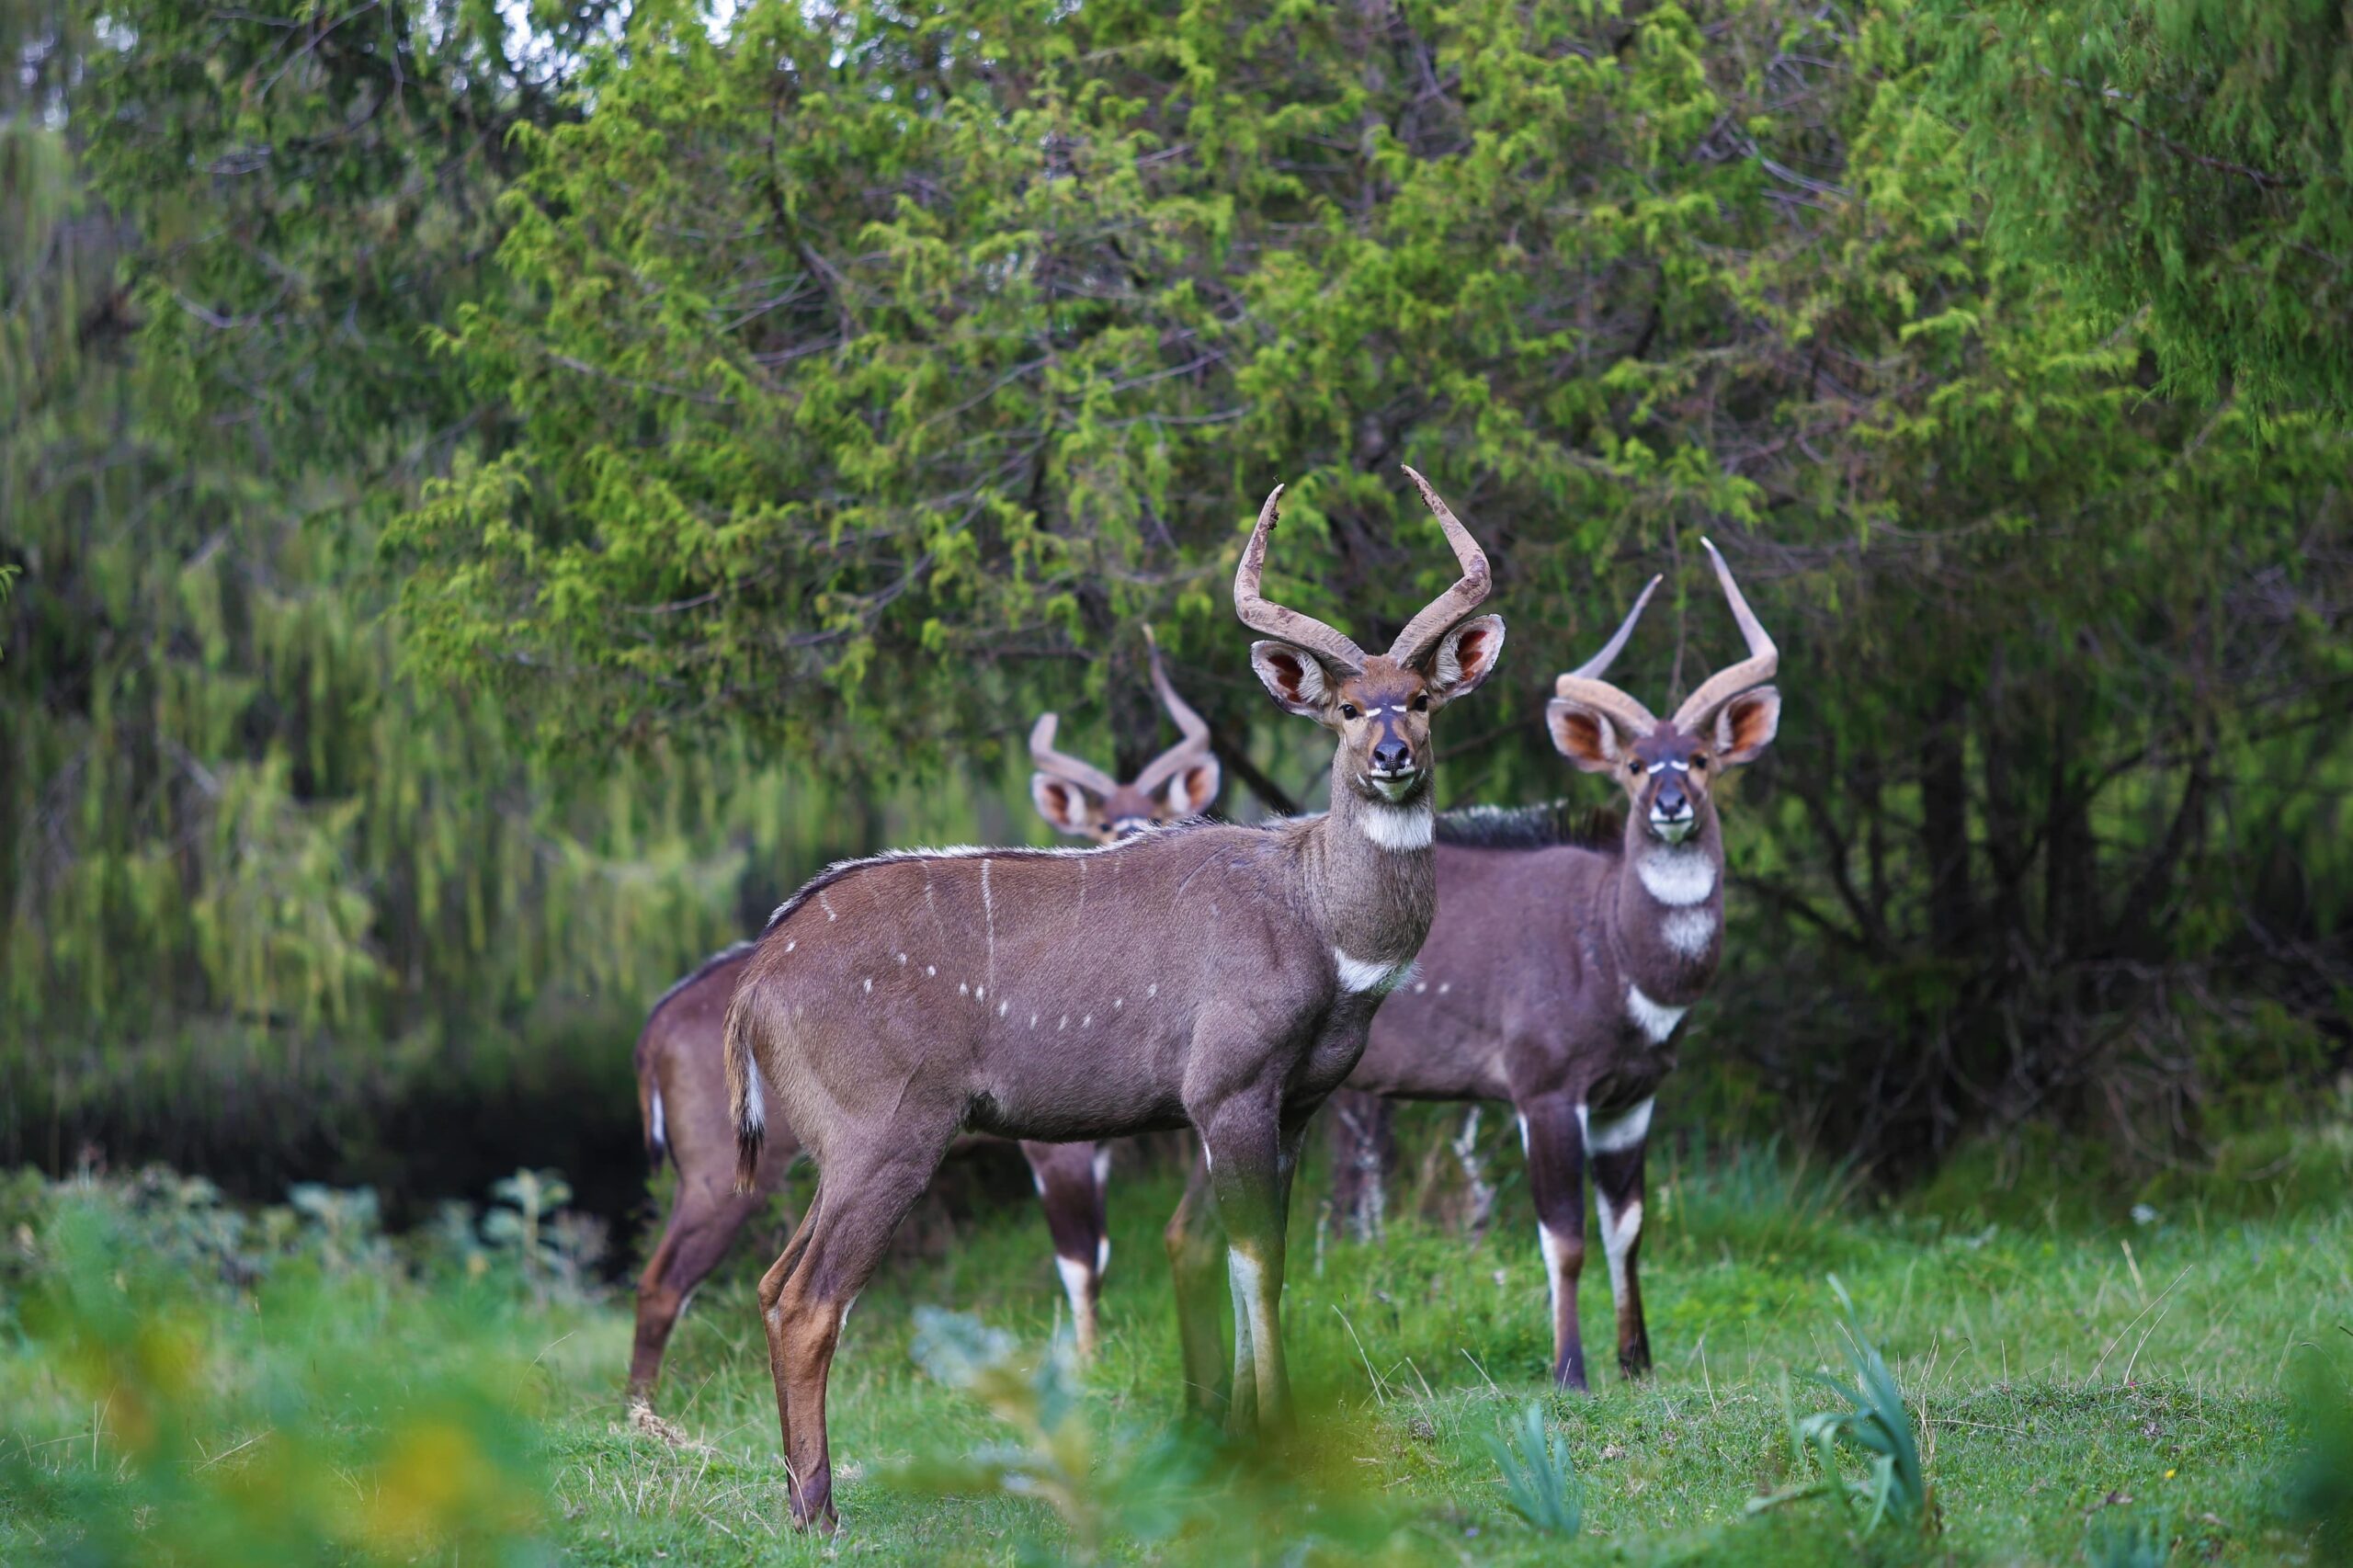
1397,828
1679,877
1653,1018
1689,931
1362,975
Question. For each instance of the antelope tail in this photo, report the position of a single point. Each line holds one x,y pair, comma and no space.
743,1095
649,1110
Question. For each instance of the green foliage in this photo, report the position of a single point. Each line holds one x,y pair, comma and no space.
2124,1538
1540,1480
1878,1422
2184,161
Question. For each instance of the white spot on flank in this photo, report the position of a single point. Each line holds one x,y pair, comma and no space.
1033,1020
1397,828
868,983
1678,876
1065,1023
1444,986
1087,1022
1689,931
1420,986
1358,975
1117,1002
1653,1018
932,969
980,993
1625,1130
903,958
827,904
789,945
1001,1007
1152,989
963,989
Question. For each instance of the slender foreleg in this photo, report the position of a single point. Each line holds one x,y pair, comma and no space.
1248,1145
1552,1131
1619,1143
1195,1250
1070,1180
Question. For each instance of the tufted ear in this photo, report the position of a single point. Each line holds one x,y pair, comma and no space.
1292,677
1065,806
1189,793
1747,725
1464,657
1589,737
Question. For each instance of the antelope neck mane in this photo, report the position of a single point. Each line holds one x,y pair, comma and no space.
1553,825
840,868
727,954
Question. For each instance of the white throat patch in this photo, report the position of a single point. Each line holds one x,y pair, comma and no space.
1398,827
1653,1018
1689,931
1678,876
1360,974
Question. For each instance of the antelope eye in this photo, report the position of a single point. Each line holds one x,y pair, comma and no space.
1421,703
1633,766
1699,762
1349,711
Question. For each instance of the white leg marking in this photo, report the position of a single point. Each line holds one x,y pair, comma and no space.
1102,1254
1523,1136
846,1307
1678,876
1656,1019
1102,1165
1555,1249
1624,1131
1076,1276
1397,828
1619,1231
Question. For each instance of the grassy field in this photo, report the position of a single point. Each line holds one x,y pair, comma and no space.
2088,1382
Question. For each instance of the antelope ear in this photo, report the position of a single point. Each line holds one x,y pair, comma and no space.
1189,793
1465,657
1747,725
1587,736
1291,675
1065,806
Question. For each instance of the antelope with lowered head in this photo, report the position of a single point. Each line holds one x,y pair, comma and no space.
682,1068
1562,959
1202,975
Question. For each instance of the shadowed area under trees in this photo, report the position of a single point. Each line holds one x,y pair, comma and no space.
497,506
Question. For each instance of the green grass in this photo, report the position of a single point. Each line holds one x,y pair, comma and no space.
2082,1386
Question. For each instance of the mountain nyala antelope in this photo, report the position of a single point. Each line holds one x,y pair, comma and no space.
682,1067
1202,974
1563,958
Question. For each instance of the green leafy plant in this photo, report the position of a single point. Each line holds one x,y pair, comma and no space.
2129,1539
1876,1422
1540,1480
2319,1492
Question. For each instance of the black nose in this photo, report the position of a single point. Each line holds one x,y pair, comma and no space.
1391,756
1670,802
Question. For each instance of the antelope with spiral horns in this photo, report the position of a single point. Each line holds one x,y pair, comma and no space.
682,1069
1563,960
1202,975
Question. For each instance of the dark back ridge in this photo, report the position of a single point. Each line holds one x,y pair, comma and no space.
727,954
1551,825
841,868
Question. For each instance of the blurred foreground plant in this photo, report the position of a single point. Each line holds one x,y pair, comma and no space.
2319,1493
1183,1491
1876,1421
304,1408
